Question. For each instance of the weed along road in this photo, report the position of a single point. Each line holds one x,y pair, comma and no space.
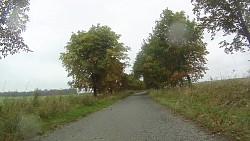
135,118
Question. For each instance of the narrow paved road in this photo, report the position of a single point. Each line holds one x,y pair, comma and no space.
136,118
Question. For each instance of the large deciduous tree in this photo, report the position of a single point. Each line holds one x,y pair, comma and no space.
13,19
95,59
229,16
174,54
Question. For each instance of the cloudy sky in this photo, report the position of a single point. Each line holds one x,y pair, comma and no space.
53,21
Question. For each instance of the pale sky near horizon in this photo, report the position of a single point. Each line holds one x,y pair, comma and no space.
53,21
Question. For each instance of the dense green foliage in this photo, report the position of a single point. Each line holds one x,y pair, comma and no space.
174,54
230,16
222,106
95,59
13,19
130,82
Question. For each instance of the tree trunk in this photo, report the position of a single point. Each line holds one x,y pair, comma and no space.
110,88
95,91
189,80
110,91
94,82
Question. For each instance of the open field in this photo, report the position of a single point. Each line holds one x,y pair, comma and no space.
1,98
25,117
222,106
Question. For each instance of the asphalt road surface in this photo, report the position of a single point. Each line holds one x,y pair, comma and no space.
135,118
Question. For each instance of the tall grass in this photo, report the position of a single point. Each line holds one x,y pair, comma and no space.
25,117
223,106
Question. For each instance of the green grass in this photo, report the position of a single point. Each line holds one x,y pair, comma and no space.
221,106
26,117
73,114
1,99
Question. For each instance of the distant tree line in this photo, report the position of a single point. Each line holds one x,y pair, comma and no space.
40,92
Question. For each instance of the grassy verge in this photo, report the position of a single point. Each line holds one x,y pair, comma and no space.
1,98
22,118
222,106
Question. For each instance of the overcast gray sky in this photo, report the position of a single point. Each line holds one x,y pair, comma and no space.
53,21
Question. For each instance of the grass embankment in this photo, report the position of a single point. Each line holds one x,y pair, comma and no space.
222,106
25,117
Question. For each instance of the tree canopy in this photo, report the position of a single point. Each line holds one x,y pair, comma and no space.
174,54
230,16
13,19
95,59
130,82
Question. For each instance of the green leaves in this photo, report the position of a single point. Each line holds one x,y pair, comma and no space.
174,54
13,19
229,16
94,58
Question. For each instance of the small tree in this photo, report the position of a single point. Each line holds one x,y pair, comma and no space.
13,19
94,59
229,16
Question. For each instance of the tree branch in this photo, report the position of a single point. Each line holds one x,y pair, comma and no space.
243,23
